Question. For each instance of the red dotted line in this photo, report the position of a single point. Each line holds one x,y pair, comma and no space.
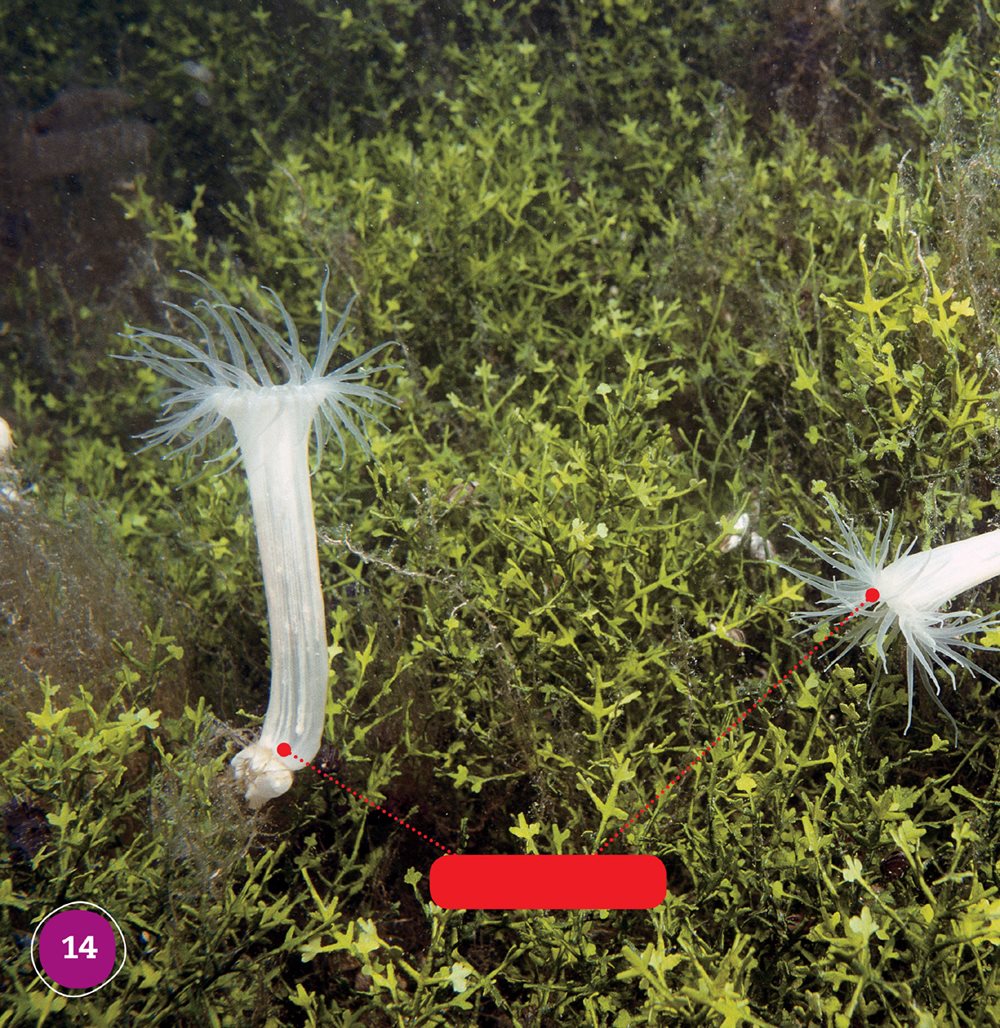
871,596
284,750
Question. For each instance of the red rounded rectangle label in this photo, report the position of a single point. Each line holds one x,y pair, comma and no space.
498,881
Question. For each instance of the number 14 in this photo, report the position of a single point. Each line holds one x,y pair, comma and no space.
87,948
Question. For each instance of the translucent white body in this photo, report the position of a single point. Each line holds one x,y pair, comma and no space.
928,580
272,431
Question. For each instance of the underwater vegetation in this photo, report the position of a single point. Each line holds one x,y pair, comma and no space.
663,278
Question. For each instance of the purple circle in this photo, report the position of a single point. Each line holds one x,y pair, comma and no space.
76,948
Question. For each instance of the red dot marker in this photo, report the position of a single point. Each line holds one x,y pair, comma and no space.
284,750
871,596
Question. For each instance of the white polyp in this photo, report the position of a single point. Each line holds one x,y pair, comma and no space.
225,377
6,440
915,591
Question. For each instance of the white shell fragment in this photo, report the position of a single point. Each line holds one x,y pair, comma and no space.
759,547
